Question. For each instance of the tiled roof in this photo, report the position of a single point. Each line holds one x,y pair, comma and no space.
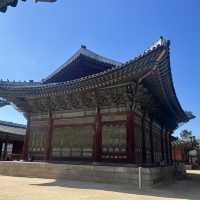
153,65
75,71
136,64
3,102
12,128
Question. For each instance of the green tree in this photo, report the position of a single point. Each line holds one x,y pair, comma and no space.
186,134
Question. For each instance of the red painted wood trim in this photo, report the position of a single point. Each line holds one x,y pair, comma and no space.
98,137
130,138
49,137
26,139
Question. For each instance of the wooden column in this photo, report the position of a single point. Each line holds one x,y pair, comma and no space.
151,140
26,139
98,137
1,144
170,149
174,153
17,147
166,146
130,138
49,137
5,149
162,143
143,139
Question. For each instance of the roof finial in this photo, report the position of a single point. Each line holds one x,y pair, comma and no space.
83,46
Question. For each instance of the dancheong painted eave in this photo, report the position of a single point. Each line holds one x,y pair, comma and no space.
152,68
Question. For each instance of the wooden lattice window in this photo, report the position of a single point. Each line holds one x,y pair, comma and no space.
73,141
114,141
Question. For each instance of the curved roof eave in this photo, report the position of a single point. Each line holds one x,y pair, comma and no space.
181,117
133,65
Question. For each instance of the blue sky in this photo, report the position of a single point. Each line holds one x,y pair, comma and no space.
37,38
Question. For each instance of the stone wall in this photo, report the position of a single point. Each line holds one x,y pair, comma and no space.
125,174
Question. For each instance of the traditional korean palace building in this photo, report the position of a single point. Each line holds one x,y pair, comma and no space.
11,140
96,109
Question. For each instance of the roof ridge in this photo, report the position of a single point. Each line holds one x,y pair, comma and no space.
3,102
155,45
160,42
86,52
94,55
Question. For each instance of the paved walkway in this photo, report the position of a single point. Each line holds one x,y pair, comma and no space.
18,188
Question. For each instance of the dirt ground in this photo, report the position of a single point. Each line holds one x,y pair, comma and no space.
19,188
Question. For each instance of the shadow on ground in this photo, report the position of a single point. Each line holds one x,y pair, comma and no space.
187,188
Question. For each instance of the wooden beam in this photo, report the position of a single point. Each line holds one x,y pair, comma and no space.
130,137
27,136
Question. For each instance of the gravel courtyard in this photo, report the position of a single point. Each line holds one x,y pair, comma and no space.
19,188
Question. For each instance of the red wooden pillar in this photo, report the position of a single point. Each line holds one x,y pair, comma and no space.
49,137
162,144
174,153
26,139
167,147
151,140
170,148
143,139
130,138
17,147
98,137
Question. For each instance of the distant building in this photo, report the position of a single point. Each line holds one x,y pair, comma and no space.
186,151
11,140
180,151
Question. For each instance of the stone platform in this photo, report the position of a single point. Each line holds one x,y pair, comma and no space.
124,174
